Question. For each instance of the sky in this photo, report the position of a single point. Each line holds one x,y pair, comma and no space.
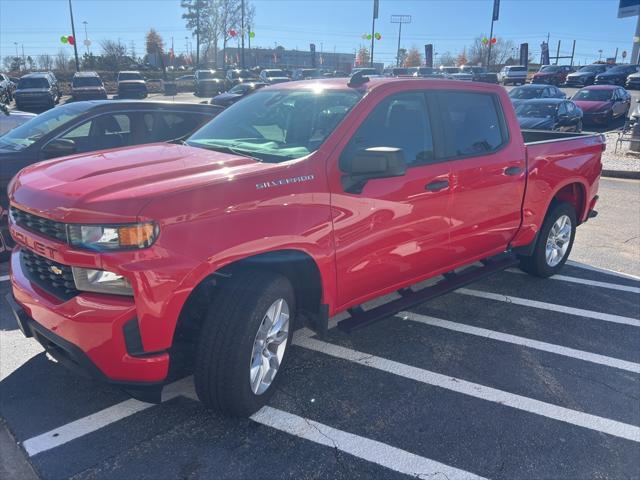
331,24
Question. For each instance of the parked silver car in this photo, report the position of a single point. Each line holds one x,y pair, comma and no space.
513,74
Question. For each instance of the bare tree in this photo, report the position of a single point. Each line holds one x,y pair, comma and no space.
7,63
61,61
45,61
447,60
114,53
363,57
500,51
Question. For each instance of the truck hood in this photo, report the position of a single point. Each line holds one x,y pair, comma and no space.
114,185
581,75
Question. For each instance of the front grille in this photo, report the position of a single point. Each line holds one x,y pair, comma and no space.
54,277
43,226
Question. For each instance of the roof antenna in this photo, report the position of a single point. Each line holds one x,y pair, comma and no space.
357,79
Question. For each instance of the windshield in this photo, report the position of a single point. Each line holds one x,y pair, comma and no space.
400,71
593,95
451,70
242,88
28,133
87,82
536,110
550,69
593,68
520,93
425,71
622,69
37,82
274,73
203,75
277,125
129,76
517,69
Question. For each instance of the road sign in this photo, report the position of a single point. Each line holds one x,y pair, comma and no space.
496,9
628,8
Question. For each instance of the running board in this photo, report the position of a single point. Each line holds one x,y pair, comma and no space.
408,298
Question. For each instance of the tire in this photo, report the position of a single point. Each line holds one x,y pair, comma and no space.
229,342
579,126
538,263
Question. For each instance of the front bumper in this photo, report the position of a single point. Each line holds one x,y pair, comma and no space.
543,80
94,334
634,84
599,118
34,100
89,95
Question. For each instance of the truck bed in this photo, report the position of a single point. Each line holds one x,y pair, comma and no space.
544,136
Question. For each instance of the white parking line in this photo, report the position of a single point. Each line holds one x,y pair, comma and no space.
95,421
584,281
628,276
581,419
4,278
361,447
525,342
607,317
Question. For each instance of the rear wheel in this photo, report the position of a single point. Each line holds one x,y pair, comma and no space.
579,126
554,242
244,342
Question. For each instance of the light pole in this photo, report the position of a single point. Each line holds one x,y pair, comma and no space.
17,55
86,36
494,17
400,19
75,42
242,33
373,29
600,57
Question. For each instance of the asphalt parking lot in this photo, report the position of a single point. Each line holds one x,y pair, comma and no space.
512,377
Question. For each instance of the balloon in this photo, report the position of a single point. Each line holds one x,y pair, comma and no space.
378,36
252,34
232,33
485,40
364,36
87,43
64,39
71,40
494,40
369,36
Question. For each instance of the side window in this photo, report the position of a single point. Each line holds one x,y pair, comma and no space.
546,93
170,125
80,131
473,123
399,121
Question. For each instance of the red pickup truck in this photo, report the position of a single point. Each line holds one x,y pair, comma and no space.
303,200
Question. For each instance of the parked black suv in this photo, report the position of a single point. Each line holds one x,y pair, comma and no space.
87,86
37,90
131,84
616,75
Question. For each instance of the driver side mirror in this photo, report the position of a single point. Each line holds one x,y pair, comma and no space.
375,162
59,147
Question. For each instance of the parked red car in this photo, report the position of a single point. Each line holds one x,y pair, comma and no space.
552,74
301,201
602,104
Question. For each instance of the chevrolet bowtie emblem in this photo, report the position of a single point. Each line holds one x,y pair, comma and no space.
56,270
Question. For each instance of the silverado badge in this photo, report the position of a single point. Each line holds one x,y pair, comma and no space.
56,270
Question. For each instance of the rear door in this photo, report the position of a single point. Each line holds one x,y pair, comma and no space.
487,173
396,229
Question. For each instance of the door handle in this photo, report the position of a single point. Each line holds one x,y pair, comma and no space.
513,171
437,185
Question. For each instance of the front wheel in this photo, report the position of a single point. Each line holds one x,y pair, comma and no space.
244,342
579,126
554,242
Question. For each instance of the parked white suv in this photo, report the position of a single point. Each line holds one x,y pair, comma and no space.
515,74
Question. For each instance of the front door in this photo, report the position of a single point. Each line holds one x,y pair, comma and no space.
396,229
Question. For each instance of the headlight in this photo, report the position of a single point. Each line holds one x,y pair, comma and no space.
113,237
100,281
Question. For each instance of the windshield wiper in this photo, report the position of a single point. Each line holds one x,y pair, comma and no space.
224,149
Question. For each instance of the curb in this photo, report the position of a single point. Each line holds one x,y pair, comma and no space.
13,461
626,174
